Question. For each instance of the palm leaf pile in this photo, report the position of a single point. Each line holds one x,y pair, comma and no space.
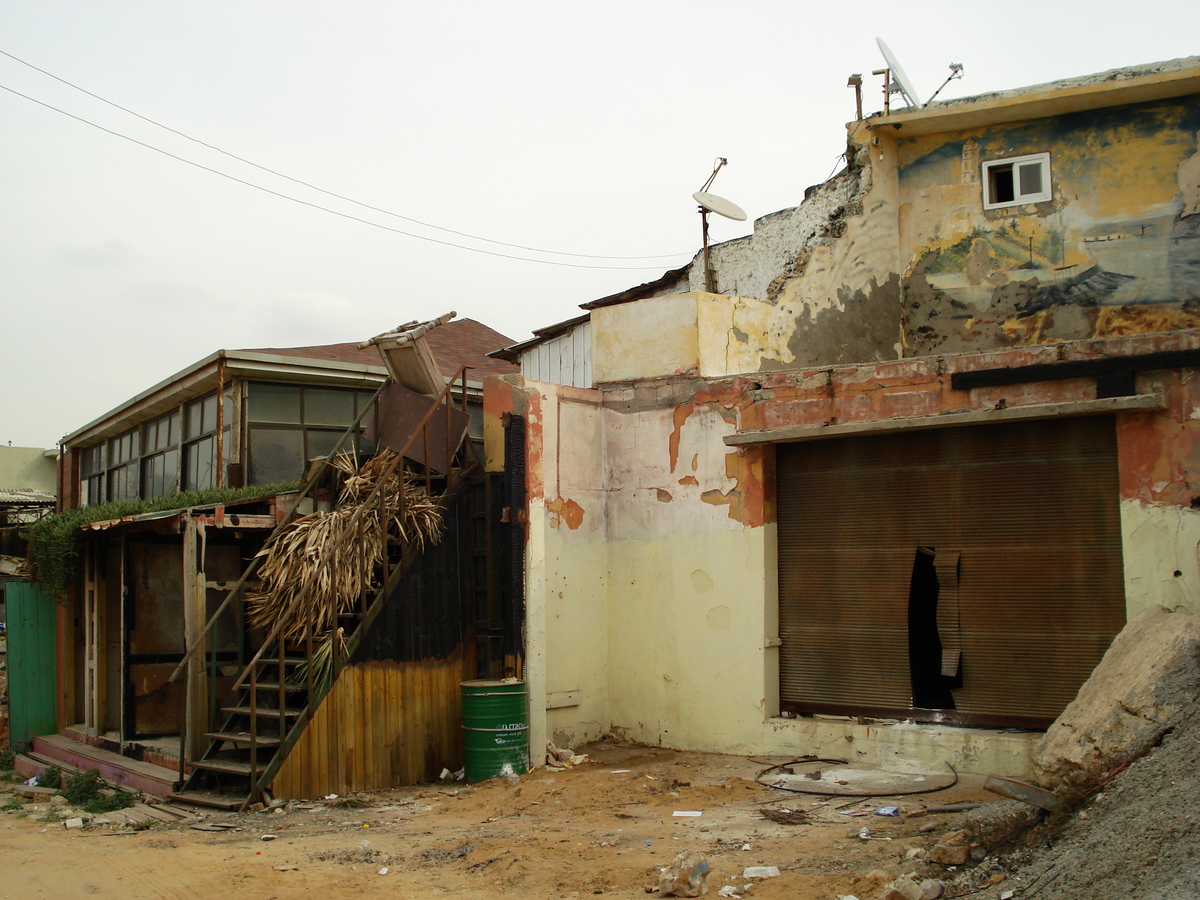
325,562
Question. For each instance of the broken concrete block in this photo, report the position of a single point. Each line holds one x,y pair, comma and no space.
1143,680
952,849
994,824
73,823
687,876
903,889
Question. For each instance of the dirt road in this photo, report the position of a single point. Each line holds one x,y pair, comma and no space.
591,830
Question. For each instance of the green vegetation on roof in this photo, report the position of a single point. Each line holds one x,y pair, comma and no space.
54,539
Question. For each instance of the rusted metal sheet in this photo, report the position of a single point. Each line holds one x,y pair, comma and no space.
401,411
1023,791
1032,511
945,562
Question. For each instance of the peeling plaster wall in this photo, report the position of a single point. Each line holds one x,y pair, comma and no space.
1162,557
816,284
1115,250
567,567
651,562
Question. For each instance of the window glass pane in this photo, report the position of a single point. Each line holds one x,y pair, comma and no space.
122,483
150,476
274,403
201,464
323,407
173,432
195,419
320,443
170,471
1030,175
208,414
92,460
95,490
276,454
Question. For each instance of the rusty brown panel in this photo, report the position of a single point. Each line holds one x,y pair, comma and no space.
1033,510
157,703
156,585
401,411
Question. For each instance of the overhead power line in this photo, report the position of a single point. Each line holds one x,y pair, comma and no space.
307,184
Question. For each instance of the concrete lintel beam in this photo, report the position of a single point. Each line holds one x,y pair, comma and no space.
948,420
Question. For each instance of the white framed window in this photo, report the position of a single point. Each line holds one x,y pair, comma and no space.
1016,180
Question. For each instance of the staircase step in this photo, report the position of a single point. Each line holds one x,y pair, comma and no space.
273,687
209,798
262,711
243,737
117,770
228,766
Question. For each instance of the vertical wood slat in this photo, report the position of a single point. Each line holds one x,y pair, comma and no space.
383,724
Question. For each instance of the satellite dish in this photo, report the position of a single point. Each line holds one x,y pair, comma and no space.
720,206
907,91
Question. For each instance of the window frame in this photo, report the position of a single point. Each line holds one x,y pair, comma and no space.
156,452
308,430
1013,162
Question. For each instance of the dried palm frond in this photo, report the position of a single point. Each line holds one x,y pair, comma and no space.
324,563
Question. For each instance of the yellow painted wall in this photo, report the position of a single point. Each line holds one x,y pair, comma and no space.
646,339
1160,540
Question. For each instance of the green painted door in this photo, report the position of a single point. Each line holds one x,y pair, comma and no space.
31,670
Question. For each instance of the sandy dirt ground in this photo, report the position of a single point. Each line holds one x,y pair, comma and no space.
589,830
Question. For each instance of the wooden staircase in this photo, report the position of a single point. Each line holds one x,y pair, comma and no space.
277,692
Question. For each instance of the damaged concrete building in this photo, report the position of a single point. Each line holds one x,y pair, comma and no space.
886,481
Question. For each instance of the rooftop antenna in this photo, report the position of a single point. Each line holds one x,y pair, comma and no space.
895,81
722,207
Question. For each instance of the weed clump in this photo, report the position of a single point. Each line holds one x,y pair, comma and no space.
51,778
83,791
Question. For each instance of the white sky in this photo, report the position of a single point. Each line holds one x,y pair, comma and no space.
581,128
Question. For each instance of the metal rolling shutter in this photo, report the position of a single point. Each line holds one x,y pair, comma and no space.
1032,510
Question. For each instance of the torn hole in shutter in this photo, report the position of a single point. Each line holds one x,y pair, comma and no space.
949,626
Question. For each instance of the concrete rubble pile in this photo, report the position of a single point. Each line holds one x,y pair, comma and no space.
1147,677
1122,757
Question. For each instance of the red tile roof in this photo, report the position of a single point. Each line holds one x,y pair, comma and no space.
457,343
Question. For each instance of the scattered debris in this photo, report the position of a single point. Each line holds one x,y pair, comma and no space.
1025,792
760,872
785,816
687,813
952,849
903,888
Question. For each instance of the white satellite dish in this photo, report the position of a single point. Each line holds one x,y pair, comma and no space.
720,206
899,78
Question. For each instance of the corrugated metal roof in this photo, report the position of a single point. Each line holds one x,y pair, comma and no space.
25,497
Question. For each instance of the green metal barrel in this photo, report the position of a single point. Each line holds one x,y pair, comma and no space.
495,728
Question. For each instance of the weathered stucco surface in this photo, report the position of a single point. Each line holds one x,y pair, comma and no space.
652,554
651,563
1111,252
